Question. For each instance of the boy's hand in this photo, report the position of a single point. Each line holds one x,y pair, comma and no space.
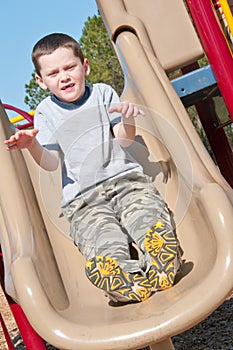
21,139
127,109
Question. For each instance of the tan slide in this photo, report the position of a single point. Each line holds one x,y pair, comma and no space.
44,270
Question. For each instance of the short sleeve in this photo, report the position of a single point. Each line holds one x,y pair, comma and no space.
45,135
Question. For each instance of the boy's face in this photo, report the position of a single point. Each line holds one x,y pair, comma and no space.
63,74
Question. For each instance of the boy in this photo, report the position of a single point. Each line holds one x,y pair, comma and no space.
106,197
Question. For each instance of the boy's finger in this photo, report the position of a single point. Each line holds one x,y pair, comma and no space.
115,109
141,112
129,111
35,131
10,140
126,108
11,146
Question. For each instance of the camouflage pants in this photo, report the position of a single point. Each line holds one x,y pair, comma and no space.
105,220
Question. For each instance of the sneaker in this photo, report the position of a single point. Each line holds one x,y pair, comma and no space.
106,274
160,242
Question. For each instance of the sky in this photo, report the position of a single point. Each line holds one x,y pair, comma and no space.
22,24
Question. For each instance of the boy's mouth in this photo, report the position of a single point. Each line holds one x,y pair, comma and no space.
68,87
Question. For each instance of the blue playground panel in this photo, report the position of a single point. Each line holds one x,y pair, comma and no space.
195,85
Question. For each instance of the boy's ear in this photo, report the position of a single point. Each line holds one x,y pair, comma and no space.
40,82
86,66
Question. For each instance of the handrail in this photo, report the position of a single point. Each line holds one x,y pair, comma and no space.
215,46
26,115
228,14
225,23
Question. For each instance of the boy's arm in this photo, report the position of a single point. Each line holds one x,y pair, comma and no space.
48,160
125,130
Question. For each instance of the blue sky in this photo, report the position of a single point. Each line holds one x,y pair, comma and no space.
22,24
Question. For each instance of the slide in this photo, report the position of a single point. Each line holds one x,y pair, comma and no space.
44,272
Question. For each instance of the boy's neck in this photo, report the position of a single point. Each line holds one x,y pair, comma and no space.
80,101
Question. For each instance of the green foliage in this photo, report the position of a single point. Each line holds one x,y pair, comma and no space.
97,47
34,94
103,61
203,61
224,118
198,126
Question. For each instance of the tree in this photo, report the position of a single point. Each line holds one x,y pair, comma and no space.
104,64
97,47
34,94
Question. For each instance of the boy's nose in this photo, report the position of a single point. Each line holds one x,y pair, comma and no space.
64,76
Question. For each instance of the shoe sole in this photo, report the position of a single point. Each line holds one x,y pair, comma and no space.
160,242
106,274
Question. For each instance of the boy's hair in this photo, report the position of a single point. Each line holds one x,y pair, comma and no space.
52,42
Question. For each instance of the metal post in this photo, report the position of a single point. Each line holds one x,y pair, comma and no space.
215,46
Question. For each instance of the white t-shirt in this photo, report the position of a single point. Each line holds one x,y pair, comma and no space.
82,133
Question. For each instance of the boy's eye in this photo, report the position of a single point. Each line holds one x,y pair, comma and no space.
70,68
52,74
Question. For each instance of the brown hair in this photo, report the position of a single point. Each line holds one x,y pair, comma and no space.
52,42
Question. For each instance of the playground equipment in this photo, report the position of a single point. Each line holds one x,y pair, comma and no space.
45,272
23,116
216,46
225,16
18,321
20,118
